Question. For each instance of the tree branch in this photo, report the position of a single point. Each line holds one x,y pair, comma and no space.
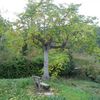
58,46
37,37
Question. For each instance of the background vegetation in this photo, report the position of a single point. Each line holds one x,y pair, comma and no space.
48,39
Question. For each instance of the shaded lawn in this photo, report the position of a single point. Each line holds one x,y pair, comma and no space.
64,89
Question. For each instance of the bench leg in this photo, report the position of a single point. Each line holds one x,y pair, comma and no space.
38,86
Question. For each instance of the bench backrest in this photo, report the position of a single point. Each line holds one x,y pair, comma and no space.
37,79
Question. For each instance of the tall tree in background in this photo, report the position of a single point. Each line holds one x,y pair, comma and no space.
10,40
51,26
4,27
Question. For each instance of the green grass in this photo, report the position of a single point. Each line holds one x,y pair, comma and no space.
78,89
64,89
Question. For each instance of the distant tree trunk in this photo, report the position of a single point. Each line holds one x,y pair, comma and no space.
46,72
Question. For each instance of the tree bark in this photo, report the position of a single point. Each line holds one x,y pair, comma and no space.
46,72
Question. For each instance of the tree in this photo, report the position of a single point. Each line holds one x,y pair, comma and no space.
10,41
4,27
51,26
98,35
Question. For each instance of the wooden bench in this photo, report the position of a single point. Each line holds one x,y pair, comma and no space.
39,84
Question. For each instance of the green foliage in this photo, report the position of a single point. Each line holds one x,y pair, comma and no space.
92,71
59,24
86,67
58,64
20,67
4,25
98,36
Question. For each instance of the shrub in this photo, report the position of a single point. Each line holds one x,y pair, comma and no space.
60,64
86,69
90,71
21,67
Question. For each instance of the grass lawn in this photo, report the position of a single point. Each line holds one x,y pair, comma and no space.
64,89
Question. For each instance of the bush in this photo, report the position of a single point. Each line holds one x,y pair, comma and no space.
91,71
86,69
60,64
21,67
